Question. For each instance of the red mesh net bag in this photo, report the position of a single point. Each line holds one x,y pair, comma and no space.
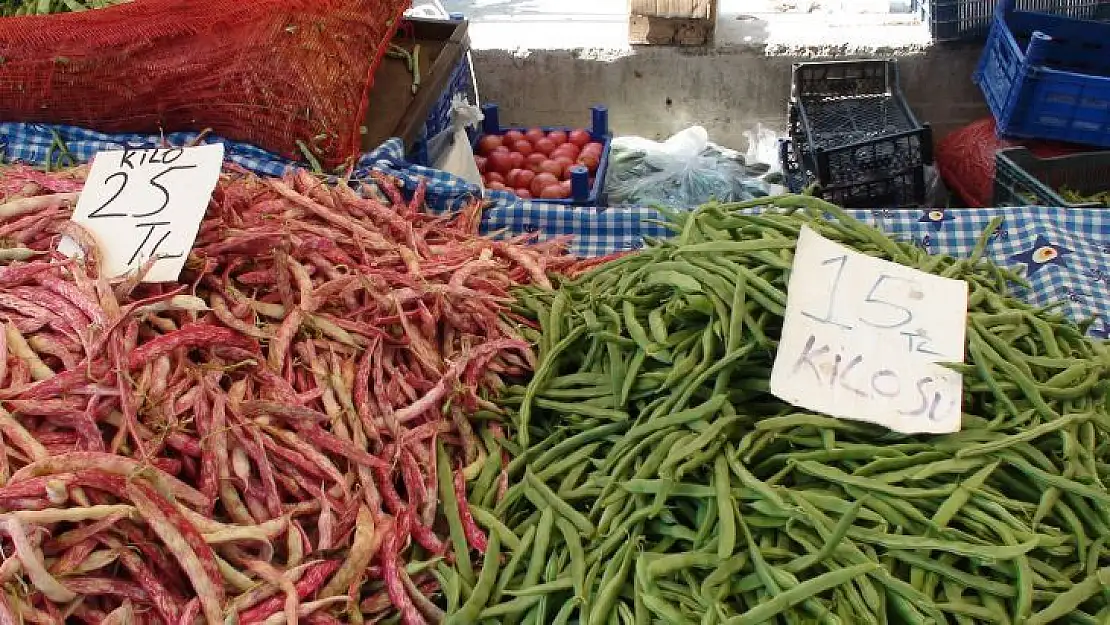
266,72
965,159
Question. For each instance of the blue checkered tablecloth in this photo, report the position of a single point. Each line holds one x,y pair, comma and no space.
30,143
1064,253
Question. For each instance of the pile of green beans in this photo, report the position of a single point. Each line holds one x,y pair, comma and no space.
654,479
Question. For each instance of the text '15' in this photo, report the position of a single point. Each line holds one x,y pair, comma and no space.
862,339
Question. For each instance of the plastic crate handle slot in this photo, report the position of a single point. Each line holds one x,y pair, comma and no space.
1035,54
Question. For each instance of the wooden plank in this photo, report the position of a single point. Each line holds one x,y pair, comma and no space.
669,31
672,22
687,9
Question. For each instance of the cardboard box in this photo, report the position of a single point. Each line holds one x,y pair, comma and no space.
394,110
672,22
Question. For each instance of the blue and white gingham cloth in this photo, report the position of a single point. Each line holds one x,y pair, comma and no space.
30,143
1065,253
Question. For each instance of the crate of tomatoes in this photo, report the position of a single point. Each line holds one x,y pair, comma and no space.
556,164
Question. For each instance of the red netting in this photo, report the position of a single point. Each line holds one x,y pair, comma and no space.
267,72
965,159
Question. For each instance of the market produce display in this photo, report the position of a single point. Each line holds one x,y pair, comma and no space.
257,443
654,479
537,164
378,392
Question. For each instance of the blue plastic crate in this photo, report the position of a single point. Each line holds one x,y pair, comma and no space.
439,117
581,192
461,82
1047,77
967,20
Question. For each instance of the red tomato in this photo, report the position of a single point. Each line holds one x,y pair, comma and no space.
552,167
554,192
516,159
566,186
488,144
496,186
499,162
501,148
589,161
524,178
513,136
480,161
569,150
510,179
579,137
544,146
523,194
558,137
541,182
523,146
535,134
495,177
533,160
565,163
595,147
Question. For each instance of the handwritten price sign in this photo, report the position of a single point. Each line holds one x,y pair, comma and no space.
862,336
144,204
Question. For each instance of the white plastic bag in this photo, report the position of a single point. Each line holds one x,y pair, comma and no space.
684,171
450,150
763,147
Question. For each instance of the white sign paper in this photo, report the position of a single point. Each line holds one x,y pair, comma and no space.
143,204
862,336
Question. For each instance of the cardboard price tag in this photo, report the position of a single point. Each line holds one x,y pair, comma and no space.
861,338
143,204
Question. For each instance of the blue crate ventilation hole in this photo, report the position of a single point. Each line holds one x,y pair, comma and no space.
1047,77
581,194
853,134
967,20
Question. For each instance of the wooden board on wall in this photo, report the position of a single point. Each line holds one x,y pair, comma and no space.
672,22
692,9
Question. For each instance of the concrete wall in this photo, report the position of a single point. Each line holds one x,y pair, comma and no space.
655,92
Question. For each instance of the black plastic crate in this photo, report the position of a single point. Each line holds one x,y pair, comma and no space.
904,189
851,127
1021,178
843,79
969,20
795,177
